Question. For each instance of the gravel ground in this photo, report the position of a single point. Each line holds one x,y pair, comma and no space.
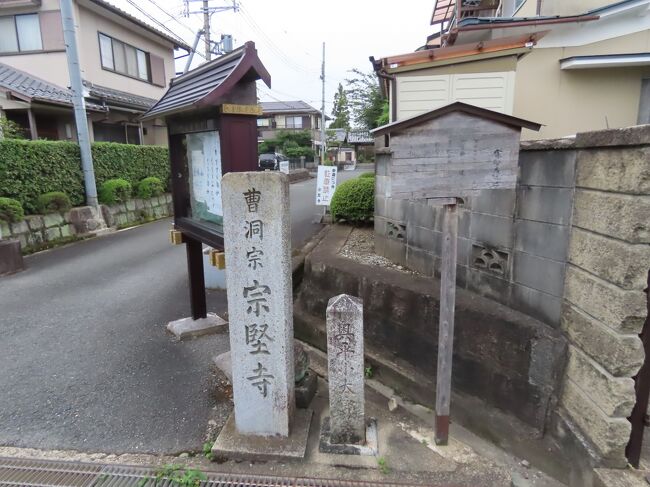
360,246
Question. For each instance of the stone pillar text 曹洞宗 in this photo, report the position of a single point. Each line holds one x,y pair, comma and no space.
260,305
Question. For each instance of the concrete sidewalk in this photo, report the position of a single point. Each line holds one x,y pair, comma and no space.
407,453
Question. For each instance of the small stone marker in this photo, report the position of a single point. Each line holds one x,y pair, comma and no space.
345,369
260,302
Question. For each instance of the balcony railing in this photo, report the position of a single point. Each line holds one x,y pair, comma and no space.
444,11
19,3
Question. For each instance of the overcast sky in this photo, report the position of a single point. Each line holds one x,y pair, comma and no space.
289,35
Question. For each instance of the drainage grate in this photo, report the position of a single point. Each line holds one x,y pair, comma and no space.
49,473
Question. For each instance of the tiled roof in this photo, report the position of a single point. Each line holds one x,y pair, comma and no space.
26,86
120,97
206,85
33,88
269,107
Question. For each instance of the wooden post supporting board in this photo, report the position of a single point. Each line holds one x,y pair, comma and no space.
446,322
198,303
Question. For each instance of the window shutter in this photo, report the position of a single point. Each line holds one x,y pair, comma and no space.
51,30
157,70
306,122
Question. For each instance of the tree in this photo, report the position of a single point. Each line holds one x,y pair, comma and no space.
341,110
365,99
10,129
291,144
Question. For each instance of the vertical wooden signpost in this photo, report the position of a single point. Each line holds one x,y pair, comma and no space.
447,309
442,157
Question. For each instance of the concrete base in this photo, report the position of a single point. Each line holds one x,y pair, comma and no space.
189,328
11,259
223,362
234,446
370,448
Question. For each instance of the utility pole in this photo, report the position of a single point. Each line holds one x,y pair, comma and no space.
322,108
207,12
190,58
76,86
206,30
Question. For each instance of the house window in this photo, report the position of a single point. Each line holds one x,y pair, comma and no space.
20,33
120,133
263,122
123,58
293,122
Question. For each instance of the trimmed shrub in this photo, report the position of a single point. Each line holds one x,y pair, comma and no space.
29,168
354,200
11,211
53,202
130,162
149,187
114,191
367,175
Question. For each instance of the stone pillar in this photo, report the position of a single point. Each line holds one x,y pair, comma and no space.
345,369
604,303
257,240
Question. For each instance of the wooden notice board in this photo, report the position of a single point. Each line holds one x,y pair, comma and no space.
211,117
442,156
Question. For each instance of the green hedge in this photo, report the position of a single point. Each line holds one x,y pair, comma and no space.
29,169
53,202
367,175
149,187
114,191
354,200
10,210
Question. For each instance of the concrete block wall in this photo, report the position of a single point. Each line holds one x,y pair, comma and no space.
605,307
35,230
512,244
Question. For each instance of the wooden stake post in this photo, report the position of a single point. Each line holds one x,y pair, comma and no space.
442,156
446,322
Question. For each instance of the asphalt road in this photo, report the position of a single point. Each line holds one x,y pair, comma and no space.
86,362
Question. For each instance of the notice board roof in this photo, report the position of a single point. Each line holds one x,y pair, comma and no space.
207,85
457,106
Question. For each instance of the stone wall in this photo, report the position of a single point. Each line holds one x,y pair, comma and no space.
36,230
512,244
503,357
605,307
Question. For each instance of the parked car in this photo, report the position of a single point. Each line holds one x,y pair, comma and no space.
271,161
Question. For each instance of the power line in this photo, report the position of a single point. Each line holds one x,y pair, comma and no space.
171,16
271,45
153,19
164,26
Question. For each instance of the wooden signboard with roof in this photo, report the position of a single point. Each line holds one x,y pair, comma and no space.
441,157
211,117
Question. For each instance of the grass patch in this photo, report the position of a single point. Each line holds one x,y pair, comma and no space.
32,249
136,223
383,465
177,475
